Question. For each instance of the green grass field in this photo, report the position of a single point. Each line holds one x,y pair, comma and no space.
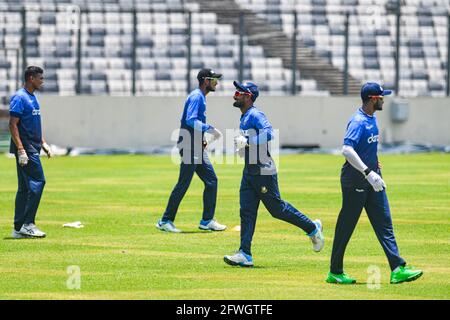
122,255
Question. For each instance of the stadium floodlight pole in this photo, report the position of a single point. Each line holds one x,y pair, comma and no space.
397,49
133,56
79,54
189,53
294,55
347,31
448,56
241,46
24,37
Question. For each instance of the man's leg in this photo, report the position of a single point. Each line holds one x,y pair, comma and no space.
184,180
206,173
353,200
249,203
21,198
268,192
34,175
379,214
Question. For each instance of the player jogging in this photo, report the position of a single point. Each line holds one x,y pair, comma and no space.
194,158
26,144
259,180
363,187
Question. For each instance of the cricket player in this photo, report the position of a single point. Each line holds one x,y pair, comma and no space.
259,180
194,158
26,145
363,187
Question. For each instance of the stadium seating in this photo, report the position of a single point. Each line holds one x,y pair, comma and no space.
423,47
107,49
107,44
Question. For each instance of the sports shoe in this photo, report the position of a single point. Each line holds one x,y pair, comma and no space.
17,235
339,278
405,274
167,226
316,236
239,259
212,225
32,231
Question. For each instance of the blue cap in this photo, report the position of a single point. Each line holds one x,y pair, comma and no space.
373,89
249,87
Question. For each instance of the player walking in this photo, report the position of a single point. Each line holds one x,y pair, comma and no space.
26,144
363,187
259,180
194,158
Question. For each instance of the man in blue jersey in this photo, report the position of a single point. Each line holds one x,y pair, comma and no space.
363,187
26,145
194,158
259,180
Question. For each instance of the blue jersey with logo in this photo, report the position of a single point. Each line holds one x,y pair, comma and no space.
362,135
25,106
258,131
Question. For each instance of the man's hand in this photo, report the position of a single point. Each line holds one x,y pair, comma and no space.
376,181
47,149
216,133
240,142
23,158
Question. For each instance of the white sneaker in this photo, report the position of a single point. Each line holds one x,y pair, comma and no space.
239,259
317,239
213,225
167,226
17,235
32,231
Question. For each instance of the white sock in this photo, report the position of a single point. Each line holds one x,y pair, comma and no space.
396,269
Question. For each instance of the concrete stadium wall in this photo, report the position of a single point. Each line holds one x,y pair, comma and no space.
145,122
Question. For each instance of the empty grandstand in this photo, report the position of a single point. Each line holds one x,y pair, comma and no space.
146,47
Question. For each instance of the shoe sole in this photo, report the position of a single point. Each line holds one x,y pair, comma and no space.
21,236
32,236
334,281
235,264
417,276
209,229
340,283
321,230
164,230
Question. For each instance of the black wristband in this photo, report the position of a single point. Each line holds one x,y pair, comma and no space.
367,171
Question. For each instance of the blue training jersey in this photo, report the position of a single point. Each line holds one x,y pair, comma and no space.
362,135
193,118
25,106
258,131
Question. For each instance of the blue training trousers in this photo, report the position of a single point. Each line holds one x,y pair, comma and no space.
206,173
256,188
354,199
31,183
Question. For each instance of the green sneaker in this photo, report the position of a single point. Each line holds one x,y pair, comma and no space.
339,278
405,274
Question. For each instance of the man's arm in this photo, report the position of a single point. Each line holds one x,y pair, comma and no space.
192,115
46,147
265,130
353,158
22,155
14,130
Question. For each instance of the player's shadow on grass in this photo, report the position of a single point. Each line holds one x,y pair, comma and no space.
19,239
199,231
